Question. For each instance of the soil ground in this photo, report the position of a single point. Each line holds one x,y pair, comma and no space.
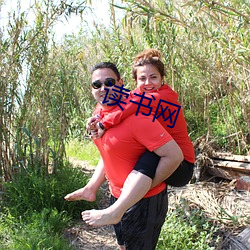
85,237
205,195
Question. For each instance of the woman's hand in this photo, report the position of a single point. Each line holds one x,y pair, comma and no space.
100,130
91,126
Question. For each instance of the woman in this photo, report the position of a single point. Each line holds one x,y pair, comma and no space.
153,86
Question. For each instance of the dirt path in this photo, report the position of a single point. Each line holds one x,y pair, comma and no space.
86,237
208,196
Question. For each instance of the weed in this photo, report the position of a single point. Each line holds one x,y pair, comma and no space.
40,231
84,150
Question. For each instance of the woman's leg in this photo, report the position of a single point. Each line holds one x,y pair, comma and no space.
182,175
148,162
134,189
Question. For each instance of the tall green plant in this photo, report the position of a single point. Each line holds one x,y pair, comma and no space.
205,49
36,96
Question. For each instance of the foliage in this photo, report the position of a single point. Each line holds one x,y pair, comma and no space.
32,192
182,231
45,97
34,213
42,231
37,92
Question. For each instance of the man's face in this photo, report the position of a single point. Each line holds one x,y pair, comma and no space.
100,93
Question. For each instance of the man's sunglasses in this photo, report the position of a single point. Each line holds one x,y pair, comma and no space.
108,82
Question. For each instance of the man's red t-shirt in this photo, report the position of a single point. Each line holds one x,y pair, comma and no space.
123,144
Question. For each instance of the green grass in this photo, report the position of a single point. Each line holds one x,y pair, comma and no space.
40,231
46,192
84,151
33,212
187,232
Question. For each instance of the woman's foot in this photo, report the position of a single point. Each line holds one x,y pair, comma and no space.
84,193
101,217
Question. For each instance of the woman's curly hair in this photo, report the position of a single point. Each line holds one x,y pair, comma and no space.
148,56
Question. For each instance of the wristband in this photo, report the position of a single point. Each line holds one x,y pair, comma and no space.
101,126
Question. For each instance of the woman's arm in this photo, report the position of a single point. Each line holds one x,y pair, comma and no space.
136,102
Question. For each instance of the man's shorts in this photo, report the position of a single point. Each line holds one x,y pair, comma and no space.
140,226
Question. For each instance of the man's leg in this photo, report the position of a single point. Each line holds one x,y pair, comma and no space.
134,189
141,224
118,229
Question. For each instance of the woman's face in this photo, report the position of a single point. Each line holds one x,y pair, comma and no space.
148,78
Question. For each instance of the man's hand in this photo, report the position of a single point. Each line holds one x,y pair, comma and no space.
91,123
95,129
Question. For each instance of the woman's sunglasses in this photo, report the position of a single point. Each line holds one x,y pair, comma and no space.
108,82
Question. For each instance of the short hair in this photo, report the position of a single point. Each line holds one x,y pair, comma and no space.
107,65
148,57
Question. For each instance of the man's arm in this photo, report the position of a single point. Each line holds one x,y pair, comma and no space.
98,178
171,157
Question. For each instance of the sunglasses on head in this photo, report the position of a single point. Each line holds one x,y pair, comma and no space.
108,82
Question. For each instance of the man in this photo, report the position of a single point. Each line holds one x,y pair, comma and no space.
120,148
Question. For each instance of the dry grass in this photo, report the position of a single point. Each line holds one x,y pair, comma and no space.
83,236
211,198
227,208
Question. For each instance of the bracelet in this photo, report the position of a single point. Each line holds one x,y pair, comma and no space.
101,126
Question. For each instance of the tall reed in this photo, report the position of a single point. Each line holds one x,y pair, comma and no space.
36,95
205,47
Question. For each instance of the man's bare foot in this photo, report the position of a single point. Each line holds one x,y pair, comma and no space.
84,193
101,217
